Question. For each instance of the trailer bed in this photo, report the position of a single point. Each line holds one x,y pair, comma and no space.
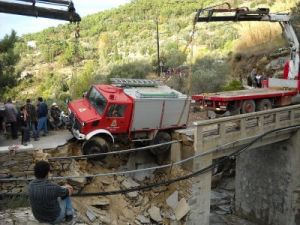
256,93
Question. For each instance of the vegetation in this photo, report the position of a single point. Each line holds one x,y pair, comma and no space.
8,59
122,43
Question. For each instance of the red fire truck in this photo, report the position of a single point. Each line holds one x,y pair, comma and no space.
277,92
128,110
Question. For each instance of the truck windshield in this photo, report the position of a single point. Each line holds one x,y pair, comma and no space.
97,100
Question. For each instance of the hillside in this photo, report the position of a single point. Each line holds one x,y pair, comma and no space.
122,42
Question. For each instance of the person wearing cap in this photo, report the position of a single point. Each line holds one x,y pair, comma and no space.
55,114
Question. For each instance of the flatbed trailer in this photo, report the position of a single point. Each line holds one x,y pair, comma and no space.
243,101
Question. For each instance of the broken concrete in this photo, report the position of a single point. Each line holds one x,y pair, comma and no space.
128,184
142,219
172,200
181,209
155,215
91,215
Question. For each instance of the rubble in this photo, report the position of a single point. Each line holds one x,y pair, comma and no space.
181,209
172,200
142,219
91,215
128,184
154,213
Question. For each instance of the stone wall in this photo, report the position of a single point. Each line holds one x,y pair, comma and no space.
21,164
266,183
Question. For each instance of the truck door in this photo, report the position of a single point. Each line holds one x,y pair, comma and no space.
118,118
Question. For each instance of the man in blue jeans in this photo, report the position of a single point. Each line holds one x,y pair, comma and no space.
50,203
42,113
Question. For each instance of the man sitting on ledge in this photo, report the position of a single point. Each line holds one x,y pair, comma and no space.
49,202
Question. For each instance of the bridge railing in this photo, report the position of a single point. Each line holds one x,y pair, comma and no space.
214,133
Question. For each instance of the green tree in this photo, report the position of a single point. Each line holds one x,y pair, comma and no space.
8,60
138,69
81,82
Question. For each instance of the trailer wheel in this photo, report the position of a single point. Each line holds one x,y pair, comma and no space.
161,137
248,106
264,104
96,145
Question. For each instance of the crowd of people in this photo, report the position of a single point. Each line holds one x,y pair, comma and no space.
29,119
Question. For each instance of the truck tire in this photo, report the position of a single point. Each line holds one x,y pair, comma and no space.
264,104
95,145
248,106
161,137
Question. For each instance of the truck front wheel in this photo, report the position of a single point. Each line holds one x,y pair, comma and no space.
94,146
248,106
160,138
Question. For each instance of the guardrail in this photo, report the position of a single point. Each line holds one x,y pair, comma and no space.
218,132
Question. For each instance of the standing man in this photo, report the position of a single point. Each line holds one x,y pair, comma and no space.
42,113
32,118
11,115
50,203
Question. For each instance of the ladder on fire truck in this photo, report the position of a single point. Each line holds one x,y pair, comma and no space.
219,13
122,82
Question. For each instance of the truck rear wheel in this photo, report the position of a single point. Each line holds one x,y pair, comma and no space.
248,106
264,104
95,145
161,137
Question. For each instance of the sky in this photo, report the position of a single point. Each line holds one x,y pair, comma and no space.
26,24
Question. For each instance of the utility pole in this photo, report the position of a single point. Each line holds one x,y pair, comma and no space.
157,46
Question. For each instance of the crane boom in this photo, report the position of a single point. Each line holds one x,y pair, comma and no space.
21,7
217,14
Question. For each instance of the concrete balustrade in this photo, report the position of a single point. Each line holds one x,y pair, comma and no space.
220,137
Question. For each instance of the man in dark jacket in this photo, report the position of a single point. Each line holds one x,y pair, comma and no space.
11,115
32,118
50,203
42,113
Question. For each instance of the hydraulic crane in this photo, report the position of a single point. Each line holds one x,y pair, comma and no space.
41,8
216,14
277,92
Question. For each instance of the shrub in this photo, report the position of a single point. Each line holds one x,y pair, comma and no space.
233,85
138,70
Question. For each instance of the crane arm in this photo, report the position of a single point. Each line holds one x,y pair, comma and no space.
30,8
217,14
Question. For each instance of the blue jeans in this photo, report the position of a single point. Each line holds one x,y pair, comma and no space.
42,125
32,128
65,209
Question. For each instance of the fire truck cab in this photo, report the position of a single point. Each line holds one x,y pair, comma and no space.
128,110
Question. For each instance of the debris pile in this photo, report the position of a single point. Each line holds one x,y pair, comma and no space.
161,205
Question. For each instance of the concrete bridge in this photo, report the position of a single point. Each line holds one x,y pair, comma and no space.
267,180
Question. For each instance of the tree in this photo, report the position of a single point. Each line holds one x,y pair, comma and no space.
8,60
138,69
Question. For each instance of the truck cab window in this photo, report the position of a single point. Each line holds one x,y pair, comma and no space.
116,110
97,100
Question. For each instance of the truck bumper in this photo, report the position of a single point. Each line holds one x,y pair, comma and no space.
78,135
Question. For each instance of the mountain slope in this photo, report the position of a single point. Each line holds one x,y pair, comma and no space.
122,41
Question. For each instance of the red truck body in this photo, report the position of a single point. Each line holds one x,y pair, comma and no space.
134,111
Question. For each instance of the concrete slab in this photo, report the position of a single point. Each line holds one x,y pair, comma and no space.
52,140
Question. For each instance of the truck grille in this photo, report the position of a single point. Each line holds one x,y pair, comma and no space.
75,122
